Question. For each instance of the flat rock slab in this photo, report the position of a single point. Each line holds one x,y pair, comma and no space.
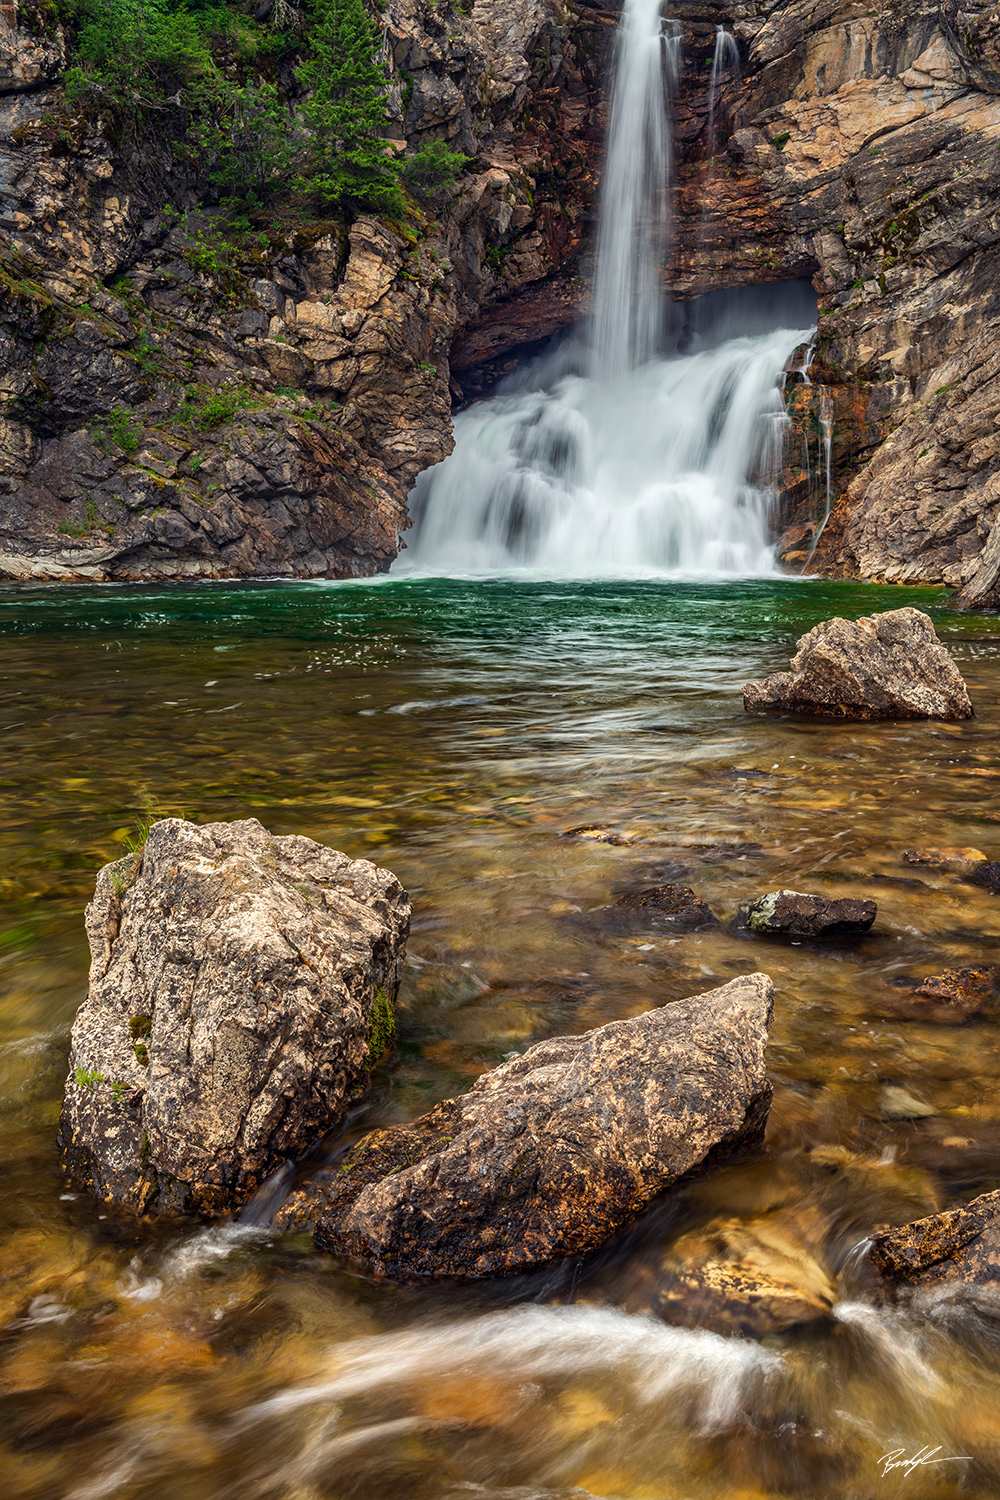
888,666
795,914
958,1247
550,1154
241,986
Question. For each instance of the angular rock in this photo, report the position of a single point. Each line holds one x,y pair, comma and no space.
551,1153
889,666
241,986
795,914
958,1247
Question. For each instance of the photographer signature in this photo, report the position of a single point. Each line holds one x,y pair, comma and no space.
897,1459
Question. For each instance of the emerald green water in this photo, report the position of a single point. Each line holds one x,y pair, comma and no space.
458,731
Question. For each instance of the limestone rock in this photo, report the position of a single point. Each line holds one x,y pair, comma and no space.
240,987
889,666
794,914
551,1153
958,1247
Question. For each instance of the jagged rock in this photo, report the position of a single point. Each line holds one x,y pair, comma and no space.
889,666
240,987
955,1248
794,914
551,1153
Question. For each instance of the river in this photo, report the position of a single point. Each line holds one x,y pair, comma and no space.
462,733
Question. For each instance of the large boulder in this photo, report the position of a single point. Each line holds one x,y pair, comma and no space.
889,666
548,1155
241,986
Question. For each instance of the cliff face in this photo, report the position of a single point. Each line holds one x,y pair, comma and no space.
864,152
178,402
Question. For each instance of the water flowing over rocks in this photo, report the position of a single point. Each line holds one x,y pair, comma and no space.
241,986
889,666
551,1153
960,1247
794,914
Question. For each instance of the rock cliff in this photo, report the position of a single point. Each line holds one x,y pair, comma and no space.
178,402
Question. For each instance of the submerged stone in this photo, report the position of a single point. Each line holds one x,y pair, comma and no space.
673,904
241,986
888,666
795,914
551,1153
986,875
953,996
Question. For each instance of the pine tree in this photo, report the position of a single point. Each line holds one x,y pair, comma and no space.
346,113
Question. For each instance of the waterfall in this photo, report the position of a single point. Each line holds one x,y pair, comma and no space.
635,195
726,58
617,453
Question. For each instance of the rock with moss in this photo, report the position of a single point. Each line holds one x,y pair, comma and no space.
241,989
550,1154
795,914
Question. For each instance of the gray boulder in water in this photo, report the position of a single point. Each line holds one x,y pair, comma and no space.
241,986
889,666
551,1153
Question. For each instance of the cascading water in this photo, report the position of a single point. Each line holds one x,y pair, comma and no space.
609,455
726,59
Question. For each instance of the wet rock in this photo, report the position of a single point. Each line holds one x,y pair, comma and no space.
889,666
597,833
658,905
548,1155
240,987
944,859
896,1104
958,1247
754,1279
953,996
986,875
795,914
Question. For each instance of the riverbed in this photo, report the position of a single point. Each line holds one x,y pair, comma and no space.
520,752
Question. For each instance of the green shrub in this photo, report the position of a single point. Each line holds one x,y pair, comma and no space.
433,165
245,146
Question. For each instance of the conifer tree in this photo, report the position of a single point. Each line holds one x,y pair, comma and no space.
346,113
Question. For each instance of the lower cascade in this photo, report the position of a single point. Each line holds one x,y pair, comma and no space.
671,467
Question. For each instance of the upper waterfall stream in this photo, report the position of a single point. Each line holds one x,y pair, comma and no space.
618,453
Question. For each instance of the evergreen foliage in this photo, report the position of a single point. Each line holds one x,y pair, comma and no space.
244,145
350,167
433,165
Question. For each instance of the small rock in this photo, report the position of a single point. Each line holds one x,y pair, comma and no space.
960,1246
941,859
550,1154
986,875
794,914
888,666
955,995
896,1104
598,834
674,904
241,986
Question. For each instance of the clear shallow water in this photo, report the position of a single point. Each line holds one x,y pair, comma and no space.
457,731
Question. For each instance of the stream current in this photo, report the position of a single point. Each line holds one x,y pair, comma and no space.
460,732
